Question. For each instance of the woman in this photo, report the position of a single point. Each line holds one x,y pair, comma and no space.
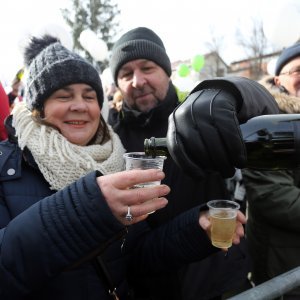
65,231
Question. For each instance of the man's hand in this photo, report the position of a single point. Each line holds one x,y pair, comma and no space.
204,133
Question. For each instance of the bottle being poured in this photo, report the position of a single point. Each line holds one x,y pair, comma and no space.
272,142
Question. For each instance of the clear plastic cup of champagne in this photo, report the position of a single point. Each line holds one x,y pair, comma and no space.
222,214
141,161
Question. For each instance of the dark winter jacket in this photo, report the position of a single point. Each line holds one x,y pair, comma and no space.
49,240
196,281
274,210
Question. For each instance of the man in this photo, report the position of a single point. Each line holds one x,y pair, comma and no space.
141,70
287,72
274,196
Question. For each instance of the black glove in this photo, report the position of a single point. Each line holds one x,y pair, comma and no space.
204,133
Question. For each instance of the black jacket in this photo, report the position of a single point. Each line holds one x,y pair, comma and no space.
196,281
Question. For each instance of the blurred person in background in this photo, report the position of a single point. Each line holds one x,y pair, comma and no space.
4,112
115,106
17,89
273,226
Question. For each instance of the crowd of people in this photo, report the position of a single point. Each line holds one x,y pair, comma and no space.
64,194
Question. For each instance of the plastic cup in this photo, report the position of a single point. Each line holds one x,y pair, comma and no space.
138,160
223,221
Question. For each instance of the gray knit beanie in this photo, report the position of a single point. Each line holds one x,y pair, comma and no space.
51,66
139,43
286,56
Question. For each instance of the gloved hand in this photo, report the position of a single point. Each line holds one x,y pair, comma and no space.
204,133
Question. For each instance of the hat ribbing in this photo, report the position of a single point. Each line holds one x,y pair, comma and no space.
51,66
286,56
139,43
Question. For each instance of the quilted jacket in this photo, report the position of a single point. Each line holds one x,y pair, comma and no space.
49,240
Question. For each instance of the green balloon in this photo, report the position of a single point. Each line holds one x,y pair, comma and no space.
183,70
198,62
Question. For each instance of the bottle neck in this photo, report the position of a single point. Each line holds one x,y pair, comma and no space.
156,147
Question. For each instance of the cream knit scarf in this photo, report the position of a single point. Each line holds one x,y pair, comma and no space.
60,161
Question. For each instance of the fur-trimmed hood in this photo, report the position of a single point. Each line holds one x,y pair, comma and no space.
287,103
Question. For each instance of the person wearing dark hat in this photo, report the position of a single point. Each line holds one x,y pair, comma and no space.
274,196
70,222
287,71
142,69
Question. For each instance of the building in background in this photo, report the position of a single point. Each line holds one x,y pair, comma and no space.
214,66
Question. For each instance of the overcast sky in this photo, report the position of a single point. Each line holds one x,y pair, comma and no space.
184,26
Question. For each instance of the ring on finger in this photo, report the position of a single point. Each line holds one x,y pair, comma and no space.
128,216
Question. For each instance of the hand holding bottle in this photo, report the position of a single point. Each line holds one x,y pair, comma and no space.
272,142
204,133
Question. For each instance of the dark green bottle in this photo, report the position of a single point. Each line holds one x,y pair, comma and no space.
272,142
156,147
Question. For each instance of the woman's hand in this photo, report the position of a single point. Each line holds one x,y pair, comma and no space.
239,231
119,194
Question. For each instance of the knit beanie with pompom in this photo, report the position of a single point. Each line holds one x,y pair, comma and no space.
50,66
